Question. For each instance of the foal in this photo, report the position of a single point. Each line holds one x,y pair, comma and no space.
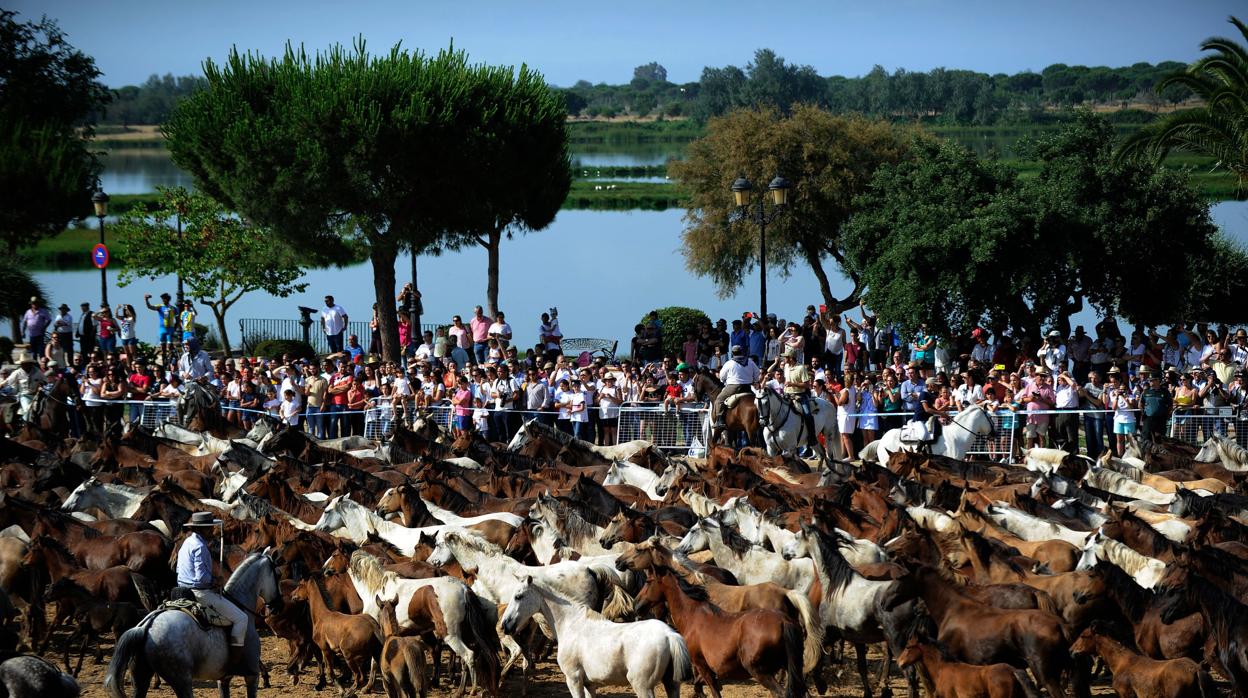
945,678
356,637
1137,676
402,658
757,643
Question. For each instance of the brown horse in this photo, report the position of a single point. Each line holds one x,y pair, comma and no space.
945,678
402,658
740,420
758,643
357,638
1136,676
977,634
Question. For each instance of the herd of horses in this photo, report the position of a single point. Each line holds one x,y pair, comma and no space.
434,562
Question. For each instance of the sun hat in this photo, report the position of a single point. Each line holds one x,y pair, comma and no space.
1054,334
64,307
789,352
202,519
1042,371
26,357
1114,370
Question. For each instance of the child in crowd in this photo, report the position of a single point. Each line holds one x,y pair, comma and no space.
481,417
673,394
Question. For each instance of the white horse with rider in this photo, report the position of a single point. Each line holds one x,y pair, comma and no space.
955,439
785,429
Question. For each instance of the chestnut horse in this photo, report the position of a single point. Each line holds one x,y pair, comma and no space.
757,643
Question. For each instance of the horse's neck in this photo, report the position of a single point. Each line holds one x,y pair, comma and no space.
563,614
242,584
1115,655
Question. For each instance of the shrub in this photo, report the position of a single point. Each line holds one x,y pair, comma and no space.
274,348
677,323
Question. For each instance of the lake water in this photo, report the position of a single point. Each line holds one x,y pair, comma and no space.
603,269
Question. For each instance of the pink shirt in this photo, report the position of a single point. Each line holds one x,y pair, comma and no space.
480,328
463,403
460,335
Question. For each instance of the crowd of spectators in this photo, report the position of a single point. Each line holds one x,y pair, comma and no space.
1110,385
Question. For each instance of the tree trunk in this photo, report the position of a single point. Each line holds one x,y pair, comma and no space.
383,256
16,323
225,336
491,284
835,307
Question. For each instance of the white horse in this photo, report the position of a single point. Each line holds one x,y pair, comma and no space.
644,479
784,429
755,527
1146,571
447,516
116,501
1119,484
1221,448
467,618
747,562
348,519
955,440
172,645
1032,528
594,651
533,428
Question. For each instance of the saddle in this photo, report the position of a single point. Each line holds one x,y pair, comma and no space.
205,616
921,434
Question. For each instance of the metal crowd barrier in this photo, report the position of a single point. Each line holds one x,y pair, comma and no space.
687,431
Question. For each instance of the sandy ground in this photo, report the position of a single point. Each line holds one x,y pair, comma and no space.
547,681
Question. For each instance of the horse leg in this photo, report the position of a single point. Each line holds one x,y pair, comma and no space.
141,674
821,682
326,661
469,658
767,681
223,687
886,670
863,672
250,682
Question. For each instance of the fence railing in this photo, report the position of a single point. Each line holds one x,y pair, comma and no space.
686,430
256,330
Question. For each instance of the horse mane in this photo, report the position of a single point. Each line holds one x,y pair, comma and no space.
1159,543
53,543
178,494
694,592
588,514
453,500
989,548
729,537
1122,588
835,567
1195,504
584,483
261,507
244,567
947,495
369,571
569,518
475,542
844,496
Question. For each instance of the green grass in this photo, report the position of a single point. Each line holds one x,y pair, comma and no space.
643,196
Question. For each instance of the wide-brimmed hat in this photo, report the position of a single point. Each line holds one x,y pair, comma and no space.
1114,370
1042,371
26,357
202,519
1145,371
63,307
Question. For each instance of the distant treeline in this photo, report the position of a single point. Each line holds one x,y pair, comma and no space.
941,95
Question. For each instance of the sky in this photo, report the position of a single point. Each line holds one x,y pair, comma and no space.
603,41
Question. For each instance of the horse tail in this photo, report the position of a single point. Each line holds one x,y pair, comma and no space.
480,633
792,636
679,665
617,604
130,646
811,624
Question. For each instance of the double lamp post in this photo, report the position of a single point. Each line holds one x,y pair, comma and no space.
756,211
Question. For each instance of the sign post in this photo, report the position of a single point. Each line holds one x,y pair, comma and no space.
99,256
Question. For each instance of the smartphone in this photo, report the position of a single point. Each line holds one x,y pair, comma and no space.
823,308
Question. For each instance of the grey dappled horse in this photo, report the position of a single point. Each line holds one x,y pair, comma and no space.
172,645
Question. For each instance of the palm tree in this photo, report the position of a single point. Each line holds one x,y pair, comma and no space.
1219,128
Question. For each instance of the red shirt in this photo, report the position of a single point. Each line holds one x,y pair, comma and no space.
340,380
141,385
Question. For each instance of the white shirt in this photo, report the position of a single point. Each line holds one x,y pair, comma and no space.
581,400
1067,397
967,395
503,330
289,411
736,373
983,352
402,387
1053,357
289,384
835,342
335,319
193,368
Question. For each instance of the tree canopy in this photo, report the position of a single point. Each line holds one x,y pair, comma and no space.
398,151
953,240
48,91
220,257
828,159
1219,127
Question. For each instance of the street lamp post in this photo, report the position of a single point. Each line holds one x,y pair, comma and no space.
100,201
180,294
779,188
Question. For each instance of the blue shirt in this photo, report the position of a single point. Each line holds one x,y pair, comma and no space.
195,563
758,343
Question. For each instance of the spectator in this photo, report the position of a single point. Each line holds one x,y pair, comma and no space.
1066,423
167,321
353,349
480,327
462,401
333,323
63,328
34,325
1096,426
501,331
54,351
106,329
357,403
187,320
126,329
1037,397
86,332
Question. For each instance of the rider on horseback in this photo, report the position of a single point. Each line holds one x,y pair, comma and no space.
26,382
194,570
797,380
738,376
